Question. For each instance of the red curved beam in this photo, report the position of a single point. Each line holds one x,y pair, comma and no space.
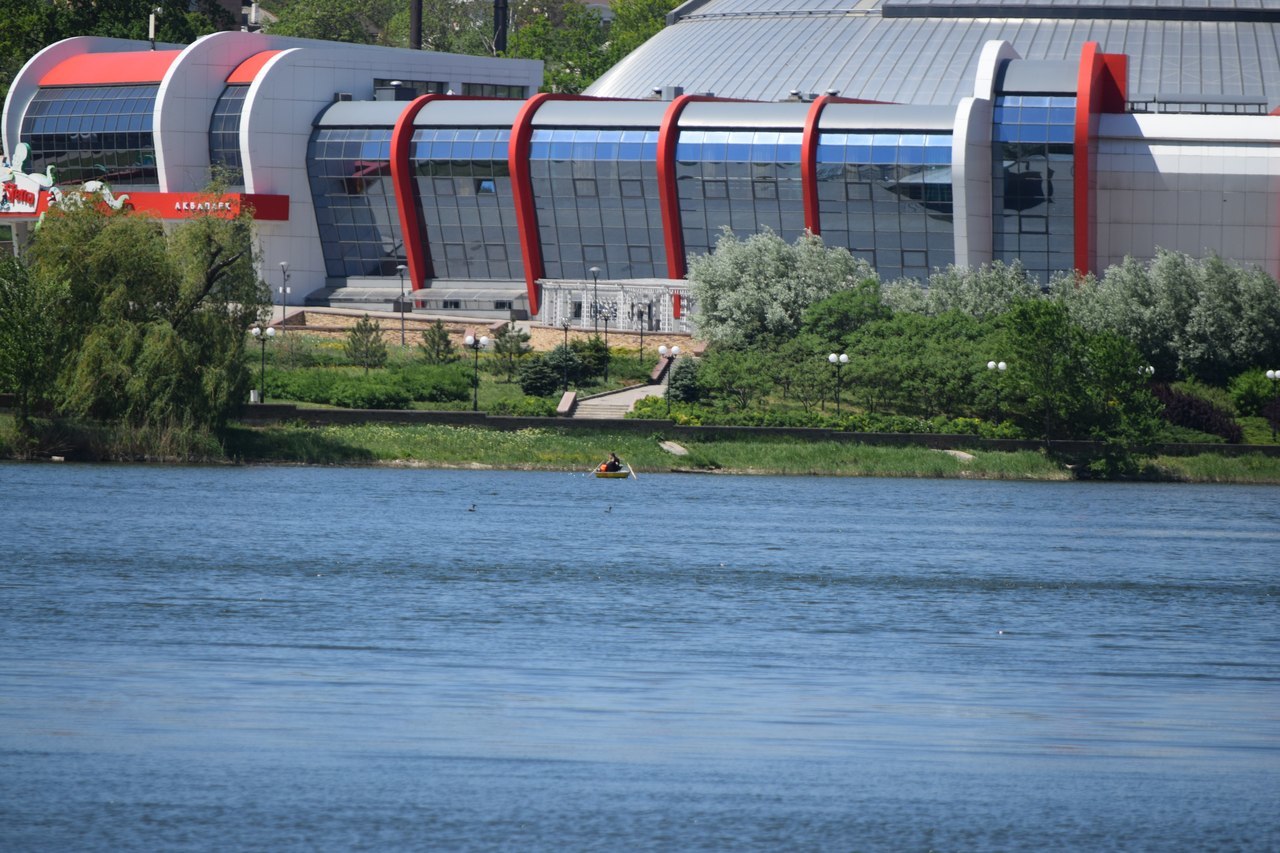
809,164
522,193
1102,85
411,227
668,196
522,189
809,156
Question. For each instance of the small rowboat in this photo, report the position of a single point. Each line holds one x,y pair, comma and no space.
620,474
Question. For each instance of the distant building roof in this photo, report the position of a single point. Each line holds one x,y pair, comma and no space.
926,51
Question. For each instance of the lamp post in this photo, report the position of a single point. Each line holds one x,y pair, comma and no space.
564,360
1274,376
663,351
595,297
262,335
476,344
606,347
400,269
838,361
284,291
640,319
999,367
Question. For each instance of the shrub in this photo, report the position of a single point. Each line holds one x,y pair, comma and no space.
1251,392
565,361
525,407
1187,410
538,378
592,355
682,384
375,391
314,385
435,383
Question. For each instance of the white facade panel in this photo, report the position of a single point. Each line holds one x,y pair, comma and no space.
1188,184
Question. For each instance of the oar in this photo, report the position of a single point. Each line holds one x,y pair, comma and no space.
632,469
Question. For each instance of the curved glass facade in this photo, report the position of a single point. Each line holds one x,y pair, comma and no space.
224,132
745,180
596,196
887,197
1033,195
355,202
93,133
464,187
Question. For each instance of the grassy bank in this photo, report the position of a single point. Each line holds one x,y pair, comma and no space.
579,450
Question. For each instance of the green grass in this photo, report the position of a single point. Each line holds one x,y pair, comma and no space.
1212,468
556,449
573,450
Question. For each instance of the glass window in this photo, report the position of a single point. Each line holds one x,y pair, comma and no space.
75,129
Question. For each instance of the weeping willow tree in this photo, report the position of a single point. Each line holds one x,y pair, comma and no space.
152,330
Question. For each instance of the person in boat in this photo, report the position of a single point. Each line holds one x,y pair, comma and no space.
613,463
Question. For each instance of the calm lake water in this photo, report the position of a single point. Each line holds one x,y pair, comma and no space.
299,659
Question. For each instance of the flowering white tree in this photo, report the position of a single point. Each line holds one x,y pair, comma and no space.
761,286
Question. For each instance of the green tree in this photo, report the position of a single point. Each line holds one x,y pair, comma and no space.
572,50
464,27
538,378
354,21
761,286
592,355
510,346
567,364
736,376
30,25
833,319
1074,384
436,345
29,339
364,345
635,22
154,325
683,383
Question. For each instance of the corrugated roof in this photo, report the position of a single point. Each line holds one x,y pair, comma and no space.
763,49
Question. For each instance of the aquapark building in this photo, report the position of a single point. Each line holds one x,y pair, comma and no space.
915,133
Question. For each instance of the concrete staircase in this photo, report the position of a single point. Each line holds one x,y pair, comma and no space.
615,404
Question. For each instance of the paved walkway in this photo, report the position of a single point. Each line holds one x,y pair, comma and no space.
617,403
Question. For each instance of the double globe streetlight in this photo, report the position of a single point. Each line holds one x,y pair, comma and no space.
999,367
475,345
262,335
838,361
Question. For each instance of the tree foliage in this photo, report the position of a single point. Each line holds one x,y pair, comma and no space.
354,21
364,344
1204,319
30,25
152,329
538,378
29,338
510,346
635,22
436,346
761,286
572,49
1076,384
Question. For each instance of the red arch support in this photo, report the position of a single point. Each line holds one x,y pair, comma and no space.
668,196
1102,86
411,227
809,157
